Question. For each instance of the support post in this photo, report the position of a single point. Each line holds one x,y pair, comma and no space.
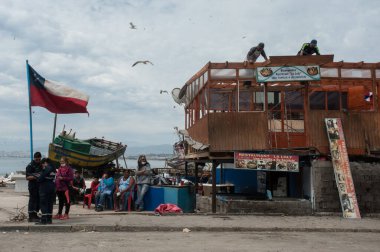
221,174
117,163
196,177
186,171
30,112
213,200
55,126
125,162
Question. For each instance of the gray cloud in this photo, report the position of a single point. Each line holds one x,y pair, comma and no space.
89,45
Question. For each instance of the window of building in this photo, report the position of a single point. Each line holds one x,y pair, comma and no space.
317,100
333,101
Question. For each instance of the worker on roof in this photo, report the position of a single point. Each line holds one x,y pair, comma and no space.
309,48
255,52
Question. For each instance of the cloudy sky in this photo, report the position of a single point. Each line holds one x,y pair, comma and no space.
89,45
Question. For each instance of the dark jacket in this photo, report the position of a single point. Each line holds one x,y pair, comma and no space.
308,50
253,54
33,169
47,175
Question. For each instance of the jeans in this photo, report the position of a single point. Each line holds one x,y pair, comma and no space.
100,198
123,199
141,191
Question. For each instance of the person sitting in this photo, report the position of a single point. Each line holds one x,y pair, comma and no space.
94,186
77,188
309,48
124,188
105,189
89,196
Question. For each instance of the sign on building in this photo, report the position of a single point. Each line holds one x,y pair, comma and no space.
288,73
268,162
341,164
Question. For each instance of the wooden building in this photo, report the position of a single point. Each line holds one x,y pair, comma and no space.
230,109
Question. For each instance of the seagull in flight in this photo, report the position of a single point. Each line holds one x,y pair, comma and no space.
143,62
132,26
163,91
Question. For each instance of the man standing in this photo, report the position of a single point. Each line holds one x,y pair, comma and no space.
255,52
46,191
33,171
309,48
143,181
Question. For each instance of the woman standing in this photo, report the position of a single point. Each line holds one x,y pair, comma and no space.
143,174
65,176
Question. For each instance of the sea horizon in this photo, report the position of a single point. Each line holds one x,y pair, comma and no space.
15,164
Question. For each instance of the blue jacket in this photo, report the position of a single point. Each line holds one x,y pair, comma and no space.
106,185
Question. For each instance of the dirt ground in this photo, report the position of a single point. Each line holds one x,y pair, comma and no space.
193,241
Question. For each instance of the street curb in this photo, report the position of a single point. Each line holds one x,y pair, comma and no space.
117,228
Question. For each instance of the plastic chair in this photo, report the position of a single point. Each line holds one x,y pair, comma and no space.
87,199
129,202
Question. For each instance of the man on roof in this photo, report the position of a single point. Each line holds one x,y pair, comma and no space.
255,52
309,48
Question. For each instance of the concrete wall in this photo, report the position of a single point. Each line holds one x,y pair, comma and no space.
366,177
236,206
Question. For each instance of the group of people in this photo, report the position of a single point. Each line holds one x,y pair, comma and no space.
45,183
306,49
124,188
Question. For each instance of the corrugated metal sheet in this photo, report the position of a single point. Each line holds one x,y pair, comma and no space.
357,127
238,131
199,131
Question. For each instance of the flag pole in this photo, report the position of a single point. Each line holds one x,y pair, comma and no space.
30,112
55,126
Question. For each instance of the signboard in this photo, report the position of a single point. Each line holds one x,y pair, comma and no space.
267,162
288,73
343,177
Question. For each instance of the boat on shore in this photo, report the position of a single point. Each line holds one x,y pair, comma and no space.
88,154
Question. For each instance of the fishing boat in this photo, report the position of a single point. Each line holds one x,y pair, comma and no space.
90,153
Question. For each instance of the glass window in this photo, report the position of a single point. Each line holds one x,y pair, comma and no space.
274,100
317,100
294,100
333,101
258,101
245,101
344,100
218,100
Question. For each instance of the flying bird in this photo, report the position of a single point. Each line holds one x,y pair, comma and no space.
132,26
142,61
163,91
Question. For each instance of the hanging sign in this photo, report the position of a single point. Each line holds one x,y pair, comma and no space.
288,73
341,164
268,162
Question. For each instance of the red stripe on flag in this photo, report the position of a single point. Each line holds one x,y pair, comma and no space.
56,104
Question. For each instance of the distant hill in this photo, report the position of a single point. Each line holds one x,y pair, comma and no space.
150,149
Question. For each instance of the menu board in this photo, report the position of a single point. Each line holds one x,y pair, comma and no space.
268,162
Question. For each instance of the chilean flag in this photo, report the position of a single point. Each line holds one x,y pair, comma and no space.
56,98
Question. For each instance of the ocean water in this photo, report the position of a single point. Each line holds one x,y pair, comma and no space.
13,164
